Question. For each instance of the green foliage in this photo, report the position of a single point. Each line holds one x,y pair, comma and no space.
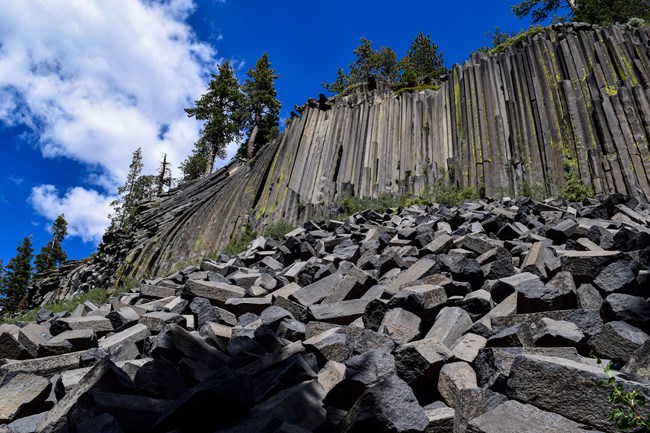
537,191
221,109
339,85
409,79
542,9
507,43
263,107
364,65
184,264
438,193
351,205
385,62
422,65
52,255
96,296
17,276
605,12
248,234
423,60
502,191
625,414
417,88
241,242
277,229
449,195
574,188
194,165
124,285
602,12
135,189
497,38
638,22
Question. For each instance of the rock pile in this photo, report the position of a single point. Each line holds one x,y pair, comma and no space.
474,319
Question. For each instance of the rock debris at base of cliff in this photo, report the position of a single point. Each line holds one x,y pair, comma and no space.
474,319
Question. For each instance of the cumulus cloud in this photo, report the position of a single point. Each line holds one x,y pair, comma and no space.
95,79
86,211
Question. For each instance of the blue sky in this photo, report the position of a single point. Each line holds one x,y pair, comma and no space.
83,83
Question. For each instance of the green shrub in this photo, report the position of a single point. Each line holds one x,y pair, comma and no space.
96,296
438,193
503,191
240,243
511,41
625,414
574,188
351,205
537,191
418,88
179,266
277,229
449,195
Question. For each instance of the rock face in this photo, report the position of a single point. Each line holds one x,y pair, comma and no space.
338,342
571,95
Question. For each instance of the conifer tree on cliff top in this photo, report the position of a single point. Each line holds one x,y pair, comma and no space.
262,105
423,64
221,110
601,12
164,177
52,254
135,189
17,276
423,61
541,9
194,165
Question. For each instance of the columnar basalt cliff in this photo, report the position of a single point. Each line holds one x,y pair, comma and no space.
573,98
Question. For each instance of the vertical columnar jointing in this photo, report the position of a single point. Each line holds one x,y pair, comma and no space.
338,164
568,94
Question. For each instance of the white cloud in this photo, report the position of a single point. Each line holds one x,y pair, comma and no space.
16,180
86,211
97,79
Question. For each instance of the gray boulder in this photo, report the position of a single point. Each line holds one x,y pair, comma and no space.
617,341
631,309
515,417
388,407
561,386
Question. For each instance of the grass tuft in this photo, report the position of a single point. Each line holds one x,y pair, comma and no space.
96,296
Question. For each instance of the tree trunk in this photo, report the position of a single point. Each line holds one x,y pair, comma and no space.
250,147
161,175
572,4
211,156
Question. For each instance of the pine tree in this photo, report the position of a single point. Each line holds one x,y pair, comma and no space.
52,255
364,65
17,276
541,9
339,85
262,104
164,176
606,12
423,60
221,110
386,64
136,188
194,165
